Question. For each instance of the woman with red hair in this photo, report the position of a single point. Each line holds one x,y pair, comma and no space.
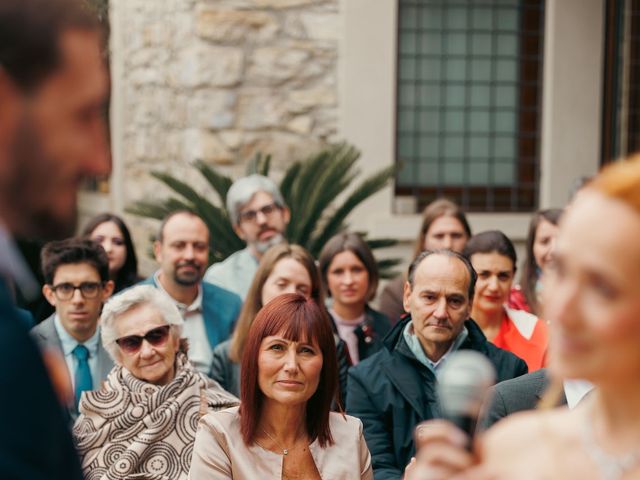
284,427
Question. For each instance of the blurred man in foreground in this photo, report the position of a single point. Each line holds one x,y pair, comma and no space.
53,86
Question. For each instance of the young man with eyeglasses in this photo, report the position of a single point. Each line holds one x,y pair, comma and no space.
260,218
76,274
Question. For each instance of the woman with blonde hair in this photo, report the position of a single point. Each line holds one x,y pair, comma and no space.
283,269
592,300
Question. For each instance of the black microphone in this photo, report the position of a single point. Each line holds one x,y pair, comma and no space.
463,385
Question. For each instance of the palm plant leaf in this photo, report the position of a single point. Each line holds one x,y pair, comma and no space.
386,267
220,183
368,187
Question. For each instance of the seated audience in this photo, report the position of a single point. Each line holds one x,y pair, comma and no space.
142,422
284,269
284,427
493,257
394,390
543,230
259,217
444,226
592,299
350,277
111,232
209,312
76,272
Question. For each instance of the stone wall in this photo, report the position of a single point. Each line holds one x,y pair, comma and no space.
218,80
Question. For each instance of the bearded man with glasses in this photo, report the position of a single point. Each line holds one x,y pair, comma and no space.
142,422
76,274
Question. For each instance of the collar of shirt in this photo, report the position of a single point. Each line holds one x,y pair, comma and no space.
69,343
575,391
13,266
416,348
185,310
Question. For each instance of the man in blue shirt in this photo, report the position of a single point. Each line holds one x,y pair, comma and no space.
76,272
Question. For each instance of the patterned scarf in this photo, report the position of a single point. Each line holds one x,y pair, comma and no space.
136,430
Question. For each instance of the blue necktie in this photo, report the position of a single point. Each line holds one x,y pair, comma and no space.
83,372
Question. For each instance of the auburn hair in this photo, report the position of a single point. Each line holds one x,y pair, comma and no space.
295,318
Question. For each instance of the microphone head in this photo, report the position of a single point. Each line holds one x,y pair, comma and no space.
463,384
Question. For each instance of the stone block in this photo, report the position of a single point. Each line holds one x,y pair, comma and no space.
235,26
284,3
304,100
321,26
207,65
301,125
276,65
213,109
260,109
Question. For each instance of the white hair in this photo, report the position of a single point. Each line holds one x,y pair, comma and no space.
129,299
243,190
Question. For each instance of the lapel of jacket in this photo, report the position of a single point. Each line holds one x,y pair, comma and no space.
403,373
105,364
48,336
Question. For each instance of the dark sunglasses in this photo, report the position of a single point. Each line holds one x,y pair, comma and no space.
156,337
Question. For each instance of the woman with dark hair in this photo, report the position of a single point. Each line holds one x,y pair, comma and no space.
111,232
444,225
543,230
283,269
350,277
284,427
493,257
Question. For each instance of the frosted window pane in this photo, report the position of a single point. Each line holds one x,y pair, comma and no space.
504,174
454,173
457,18
480,122
507,45
453,148
505,96
481,44
407,95
507,19
431,18
480,96
479,173
430,69
428,147
481,70
405,146
431,43
406,120
506,70
456,70
429,95
408,43
407,69
405,175
504,147
408,17
428,173
479,147
454,122
456,44
481,18
506,122
455,96
430,122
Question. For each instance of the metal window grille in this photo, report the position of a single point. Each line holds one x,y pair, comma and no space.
468,102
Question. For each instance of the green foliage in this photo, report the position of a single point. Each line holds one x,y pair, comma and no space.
311,189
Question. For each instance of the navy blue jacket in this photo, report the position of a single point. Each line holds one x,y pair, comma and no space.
391,392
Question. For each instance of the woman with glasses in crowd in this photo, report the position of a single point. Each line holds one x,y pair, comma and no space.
284,428
444,225
592,299
142,422
350,276
493,257
283,269
112,233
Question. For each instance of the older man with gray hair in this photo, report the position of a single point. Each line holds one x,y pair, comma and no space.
259,217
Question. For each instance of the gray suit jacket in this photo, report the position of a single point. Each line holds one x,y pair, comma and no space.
515,395
46,337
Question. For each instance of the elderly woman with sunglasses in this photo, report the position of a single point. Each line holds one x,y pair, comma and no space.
142,422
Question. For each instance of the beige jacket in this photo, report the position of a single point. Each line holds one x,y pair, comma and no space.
220,453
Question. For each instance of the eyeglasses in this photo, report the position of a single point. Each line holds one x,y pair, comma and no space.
156,337
66,291
251,215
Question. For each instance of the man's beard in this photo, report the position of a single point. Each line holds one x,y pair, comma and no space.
187,280
28,186
262,247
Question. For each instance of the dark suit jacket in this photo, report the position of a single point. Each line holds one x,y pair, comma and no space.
46,337
35,442
516,395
